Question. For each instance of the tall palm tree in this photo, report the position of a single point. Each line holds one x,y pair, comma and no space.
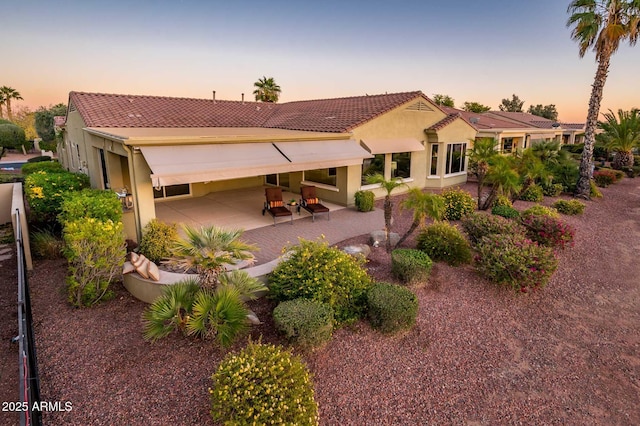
621,135
600,25
209,250
10,93
482,153
266,90
389,186
423,205
3,101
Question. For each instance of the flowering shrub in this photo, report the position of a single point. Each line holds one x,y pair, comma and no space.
391,307
515,261
95,203
594,192
364,200
306,323
95,251
502,200
325,274
569,207
532,193
458,203
539,210
548,231
411,266
443,241
263,384
505,211
157,240
45,192
604,178
479,225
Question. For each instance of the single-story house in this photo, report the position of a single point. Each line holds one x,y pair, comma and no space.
159,148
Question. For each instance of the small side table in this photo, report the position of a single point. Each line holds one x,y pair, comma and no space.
291,206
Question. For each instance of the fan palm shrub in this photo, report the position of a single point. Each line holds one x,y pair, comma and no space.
171,311
423,205
209,250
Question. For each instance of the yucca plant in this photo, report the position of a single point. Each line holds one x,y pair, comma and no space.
171,311
208,250
248,286
219,314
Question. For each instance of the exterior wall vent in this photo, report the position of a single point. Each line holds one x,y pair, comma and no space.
419,106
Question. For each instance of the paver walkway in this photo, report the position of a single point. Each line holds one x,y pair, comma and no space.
344,224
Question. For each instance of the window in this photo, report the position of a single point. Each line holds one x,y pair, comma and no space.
325,176
507,145
371,166
434,160
456,158
401,165
172,191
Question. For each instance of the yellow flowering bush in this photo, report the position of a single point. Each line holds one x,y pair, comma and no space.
95,203
45,192
325,274
263,384
95,251
458,203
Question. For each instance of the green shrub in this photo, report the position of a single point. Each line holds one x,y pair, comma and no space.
411,266
566,174
263,384
636,161
569,207
532,193
604,177
364,200
45,166
548,231
458,203
325,274
10,178
540,210
575,148
502,200
305,323
96,203
45,192
515,261
552,189
443,241
505,211
157,240
46,245
95,251
479,225
391,307
39,159
632,172
594,192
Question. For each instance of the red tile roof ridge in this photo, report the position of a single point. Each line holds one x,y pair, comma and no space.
122,95
414,93
450,118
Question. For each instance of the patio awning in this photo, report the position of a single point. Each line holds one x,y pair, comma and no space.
387,146
179,164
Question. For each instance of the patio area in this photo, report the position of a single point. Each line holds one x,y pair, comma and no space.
243,209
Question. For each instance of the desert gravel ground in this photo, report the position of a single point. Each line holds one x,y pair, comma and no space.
479,354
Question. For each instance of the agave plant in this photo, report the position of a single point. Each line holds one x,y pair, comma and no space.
171,311
219,314
209,250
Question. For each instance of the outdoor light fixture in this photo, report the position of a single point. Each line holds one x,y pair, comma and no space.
126,199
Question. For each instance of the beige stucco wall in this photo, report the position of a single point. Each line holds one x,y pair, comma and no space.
6,192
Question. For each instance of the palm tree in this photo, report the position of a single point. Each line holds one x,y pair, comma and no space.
388,185
423,205
482,153
531,168
3,101
600,25
209,251
171,311
504,179
8,94
266,90
621,135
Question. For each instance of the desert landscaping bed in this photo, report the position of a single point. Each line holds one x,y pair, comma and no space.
479,354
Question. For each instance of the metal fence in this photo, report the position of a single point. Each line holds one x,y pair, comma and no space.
27,360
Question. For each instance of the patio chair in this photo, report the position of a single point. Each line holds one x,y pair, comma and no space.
311,203
274,204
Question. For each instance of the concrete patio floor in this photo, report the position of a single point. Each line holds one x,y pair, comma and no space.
243,209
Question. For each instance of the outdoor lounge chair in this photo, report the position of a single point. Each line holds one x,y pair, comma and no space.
311,203
274,204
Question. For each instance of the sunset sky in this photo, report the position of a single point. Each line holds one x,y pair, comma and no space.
480,51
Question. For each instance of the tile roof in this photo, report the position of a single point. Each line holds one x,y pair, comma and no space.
323,115
446,121
482,121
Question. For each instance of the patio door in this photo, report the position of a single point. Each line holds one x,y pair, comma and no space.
277,179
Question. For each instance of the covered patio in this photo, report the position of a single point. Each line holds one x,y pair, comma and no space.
242,209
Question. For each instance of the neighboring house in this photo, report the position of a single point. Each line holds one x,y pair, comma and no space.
159,148
519,130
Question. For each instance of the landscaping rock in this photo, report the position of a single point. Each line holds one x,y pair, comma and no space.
355,249
377,238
